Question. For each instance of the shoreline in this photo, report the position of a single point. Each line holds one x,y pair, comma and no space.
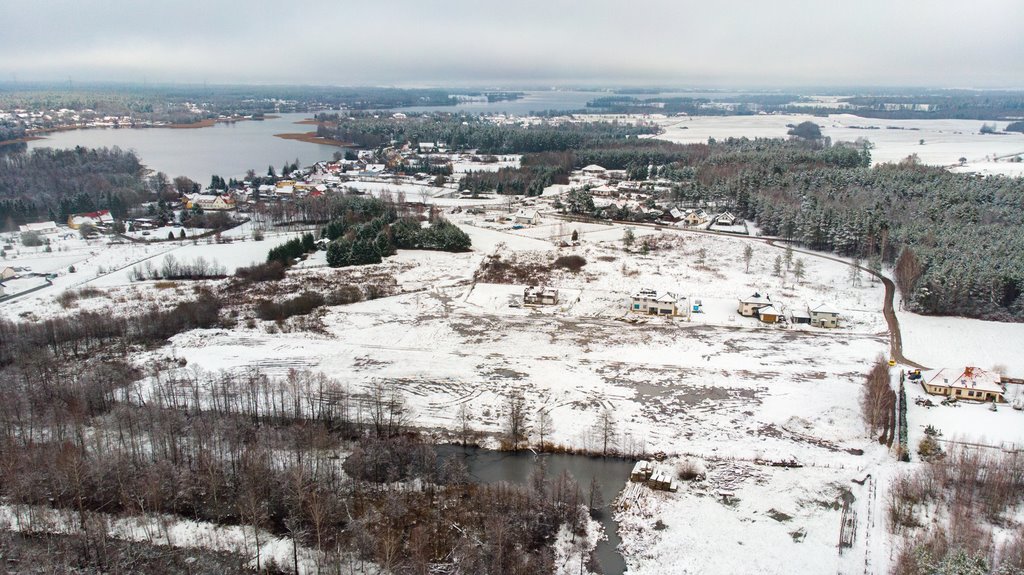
39,134
312,138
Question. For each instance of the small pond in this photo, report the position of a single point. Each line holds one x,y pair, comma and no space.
488,466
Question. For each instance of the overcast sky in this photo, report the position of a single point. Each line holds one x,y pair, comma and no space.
940,43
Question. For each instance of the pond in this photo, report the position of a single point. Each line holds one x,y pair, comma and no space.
488,466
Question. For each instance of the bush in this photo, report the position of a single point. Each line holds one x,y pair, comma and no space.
929,448
572,263
299,305
31,239
688,470
270,271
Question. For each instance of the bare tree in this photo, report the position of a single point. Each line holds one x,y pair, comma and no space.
607,431
543,426
516,424
748,254
465,420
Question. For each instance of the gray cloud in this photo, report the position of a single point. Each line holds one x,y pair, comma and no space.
743,43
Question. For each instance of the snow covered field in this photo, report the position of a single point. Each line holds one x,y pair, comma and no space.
958,341
945,141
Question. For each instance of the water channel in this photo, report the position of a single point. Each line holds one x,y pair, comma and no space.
488,466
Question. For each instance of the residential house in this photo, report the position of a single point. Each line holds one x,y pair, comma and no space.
210,202
726,219
653,302
540,295
603,191
969,383
593,170
526,216
748,306
695,217
824,316
97,219
41,228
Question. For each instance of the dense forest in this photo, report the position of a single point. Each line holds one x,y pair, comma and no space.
962,231
462,132
50,184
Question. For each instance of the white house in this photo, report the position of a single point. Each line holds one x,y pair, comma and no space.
41,228
593,170
748,306
726,219
540,295
526,216
653,302
969,383
824,316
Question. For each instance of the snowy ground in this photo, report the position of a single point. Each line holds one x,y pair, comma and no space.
945,141
721,389
957,342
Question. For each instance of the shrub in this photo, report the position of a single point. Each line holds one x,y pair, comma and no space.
269,271
572,263
929,448
31,239
299,305
688,470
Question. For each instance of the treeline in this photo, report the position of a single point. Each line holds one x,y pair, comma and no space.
461,132
171,269
51,184
354,244
78,335
964,231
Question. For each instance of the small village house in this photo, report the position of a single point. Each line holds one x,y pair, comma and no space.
748,306
726,219
653,302
824,316
971,383
41,228
210,202
593,170
97,219
526,216
540,295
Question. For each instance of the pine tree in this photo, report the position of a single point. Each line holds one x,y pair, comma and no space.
777,267
798,270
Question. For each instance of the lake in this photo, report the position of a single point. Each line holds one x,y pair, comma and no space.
225,149
488,466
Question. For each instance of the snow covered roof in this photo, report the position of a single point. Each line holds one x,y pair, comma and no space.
769,310
968,378
38,227
660,297
526,213
800,312
593,168
824,308
757,298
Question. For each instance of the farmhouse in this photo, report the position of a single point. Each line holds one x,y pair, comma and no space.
652,302
526,216
824,316
969,383
748,306
100,218
210,202
540,295
41,228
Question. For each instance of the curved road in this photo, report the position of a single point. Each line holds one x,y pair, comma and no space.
888,311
